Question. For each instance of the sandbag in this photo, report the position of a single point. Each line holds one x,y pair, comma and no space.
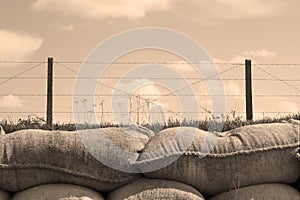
57,192
2,132
34,157
297,185
155,189
264,191
245,156
4,195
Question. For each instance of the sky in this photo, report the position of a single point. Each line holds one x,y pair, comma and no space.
230,31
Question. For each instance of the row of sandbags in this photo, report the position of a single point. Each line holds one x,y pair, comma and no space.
154,189
163,189
251,155
54,192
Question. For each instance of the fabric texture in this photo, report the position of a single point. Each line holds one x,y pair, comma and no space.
58,192
155,189
264,191
4,195
34,157
245,156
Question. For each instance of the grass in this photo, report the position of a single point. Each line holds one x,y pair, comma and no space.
231,122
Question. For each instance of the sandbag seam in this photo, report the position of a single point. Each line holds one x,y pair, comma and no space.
221,155
66,171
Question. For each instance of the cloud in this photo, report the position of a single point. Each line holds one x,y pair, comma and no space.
182,66
94,9
10,101
261,53
15,45
208,12
248,8
69,27
143,87
64,27
150,89
240,59
233,88
235,59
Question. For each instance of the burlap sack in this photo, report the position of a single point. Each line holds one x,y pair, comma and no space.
297,185
244,156
2,132
57,192
34,157
4,195
264,191
155,189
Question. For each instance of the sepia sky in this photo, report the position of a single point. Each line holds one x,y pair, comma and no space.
267,32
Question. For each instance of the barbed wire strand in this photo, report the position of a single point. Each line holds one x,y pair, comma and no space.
276,64
111,112
23,72
258,66
148,62
152,101
20,62
150,95
100,83
275,77
182,88
154,78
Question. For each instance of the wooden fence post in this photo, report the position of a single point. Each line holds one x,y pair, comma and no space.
50,93
248,74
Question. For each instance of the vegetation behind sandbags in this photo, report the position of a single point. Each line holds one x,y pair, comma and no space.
232,121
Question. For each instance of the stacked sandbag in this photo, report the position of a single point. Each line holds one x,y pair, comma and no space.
57,192
155,189
4,195
245,156
2,132
297,185
263,191
34,157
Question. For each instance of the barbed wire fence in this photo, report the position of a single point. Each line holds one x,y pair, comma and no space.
140,111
